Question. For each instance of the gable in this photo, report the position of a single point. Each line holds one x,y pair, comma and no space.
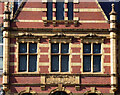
88,14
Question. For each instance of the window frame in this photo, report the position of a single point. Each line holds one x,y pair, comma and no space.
90,41
28,55
60,54
65,10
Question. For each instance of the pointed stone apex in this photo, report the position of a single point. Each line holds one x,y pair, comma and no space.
113,10
6,6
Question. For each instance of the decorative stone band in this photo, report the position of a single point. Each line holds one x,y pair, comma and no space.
66,1
81,21
66,9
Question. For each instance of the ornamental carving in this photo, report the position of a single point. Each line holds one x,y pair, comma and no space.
62,79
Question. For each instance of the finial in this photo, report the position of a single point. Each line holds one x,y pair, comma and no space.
113,6
113,10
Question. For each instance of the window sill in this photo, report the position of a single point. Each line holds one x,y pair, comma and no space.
92,73
67,23
19,73
59,72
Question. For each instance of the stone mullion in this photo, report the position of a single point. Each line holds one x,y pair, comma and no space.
92,58
65,12
54,11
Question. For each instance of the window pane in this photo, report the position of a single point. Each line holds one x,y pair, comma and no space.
1,50
87,63
49,10
86,48
64,48
1,63
55,48
97,63
22,63
22,47
55,63
64,63
96,48
32,63
70,10
33,48
59,10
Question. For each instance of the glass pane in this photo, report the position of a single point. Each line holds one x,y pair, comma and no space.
55,63
55,48
1,63
86,48
22,63
96,48
97,63
64,63
1,36
64,48
59,93
60,10
87,63
70,10
1,50
33,48
23,48
49,10
15,6
32,63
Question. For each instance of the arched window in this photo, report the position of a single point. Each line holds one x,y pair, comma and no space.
59,93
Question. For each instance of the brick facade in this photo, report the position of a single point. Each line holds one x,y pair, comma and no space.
28,26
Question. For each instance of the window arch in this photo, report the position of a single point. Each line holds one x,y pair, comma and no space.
59,93
27,94
92,94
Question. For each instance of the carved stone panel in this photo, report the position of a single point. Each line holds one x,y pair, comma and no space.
62,79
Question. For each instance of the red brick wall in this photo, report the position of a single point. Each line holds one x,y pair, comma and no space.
106,50
95,80
25,79
75,50
13,58
106,58
1,11
12,69
44,69
12,40
44,49
44,58
76,69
